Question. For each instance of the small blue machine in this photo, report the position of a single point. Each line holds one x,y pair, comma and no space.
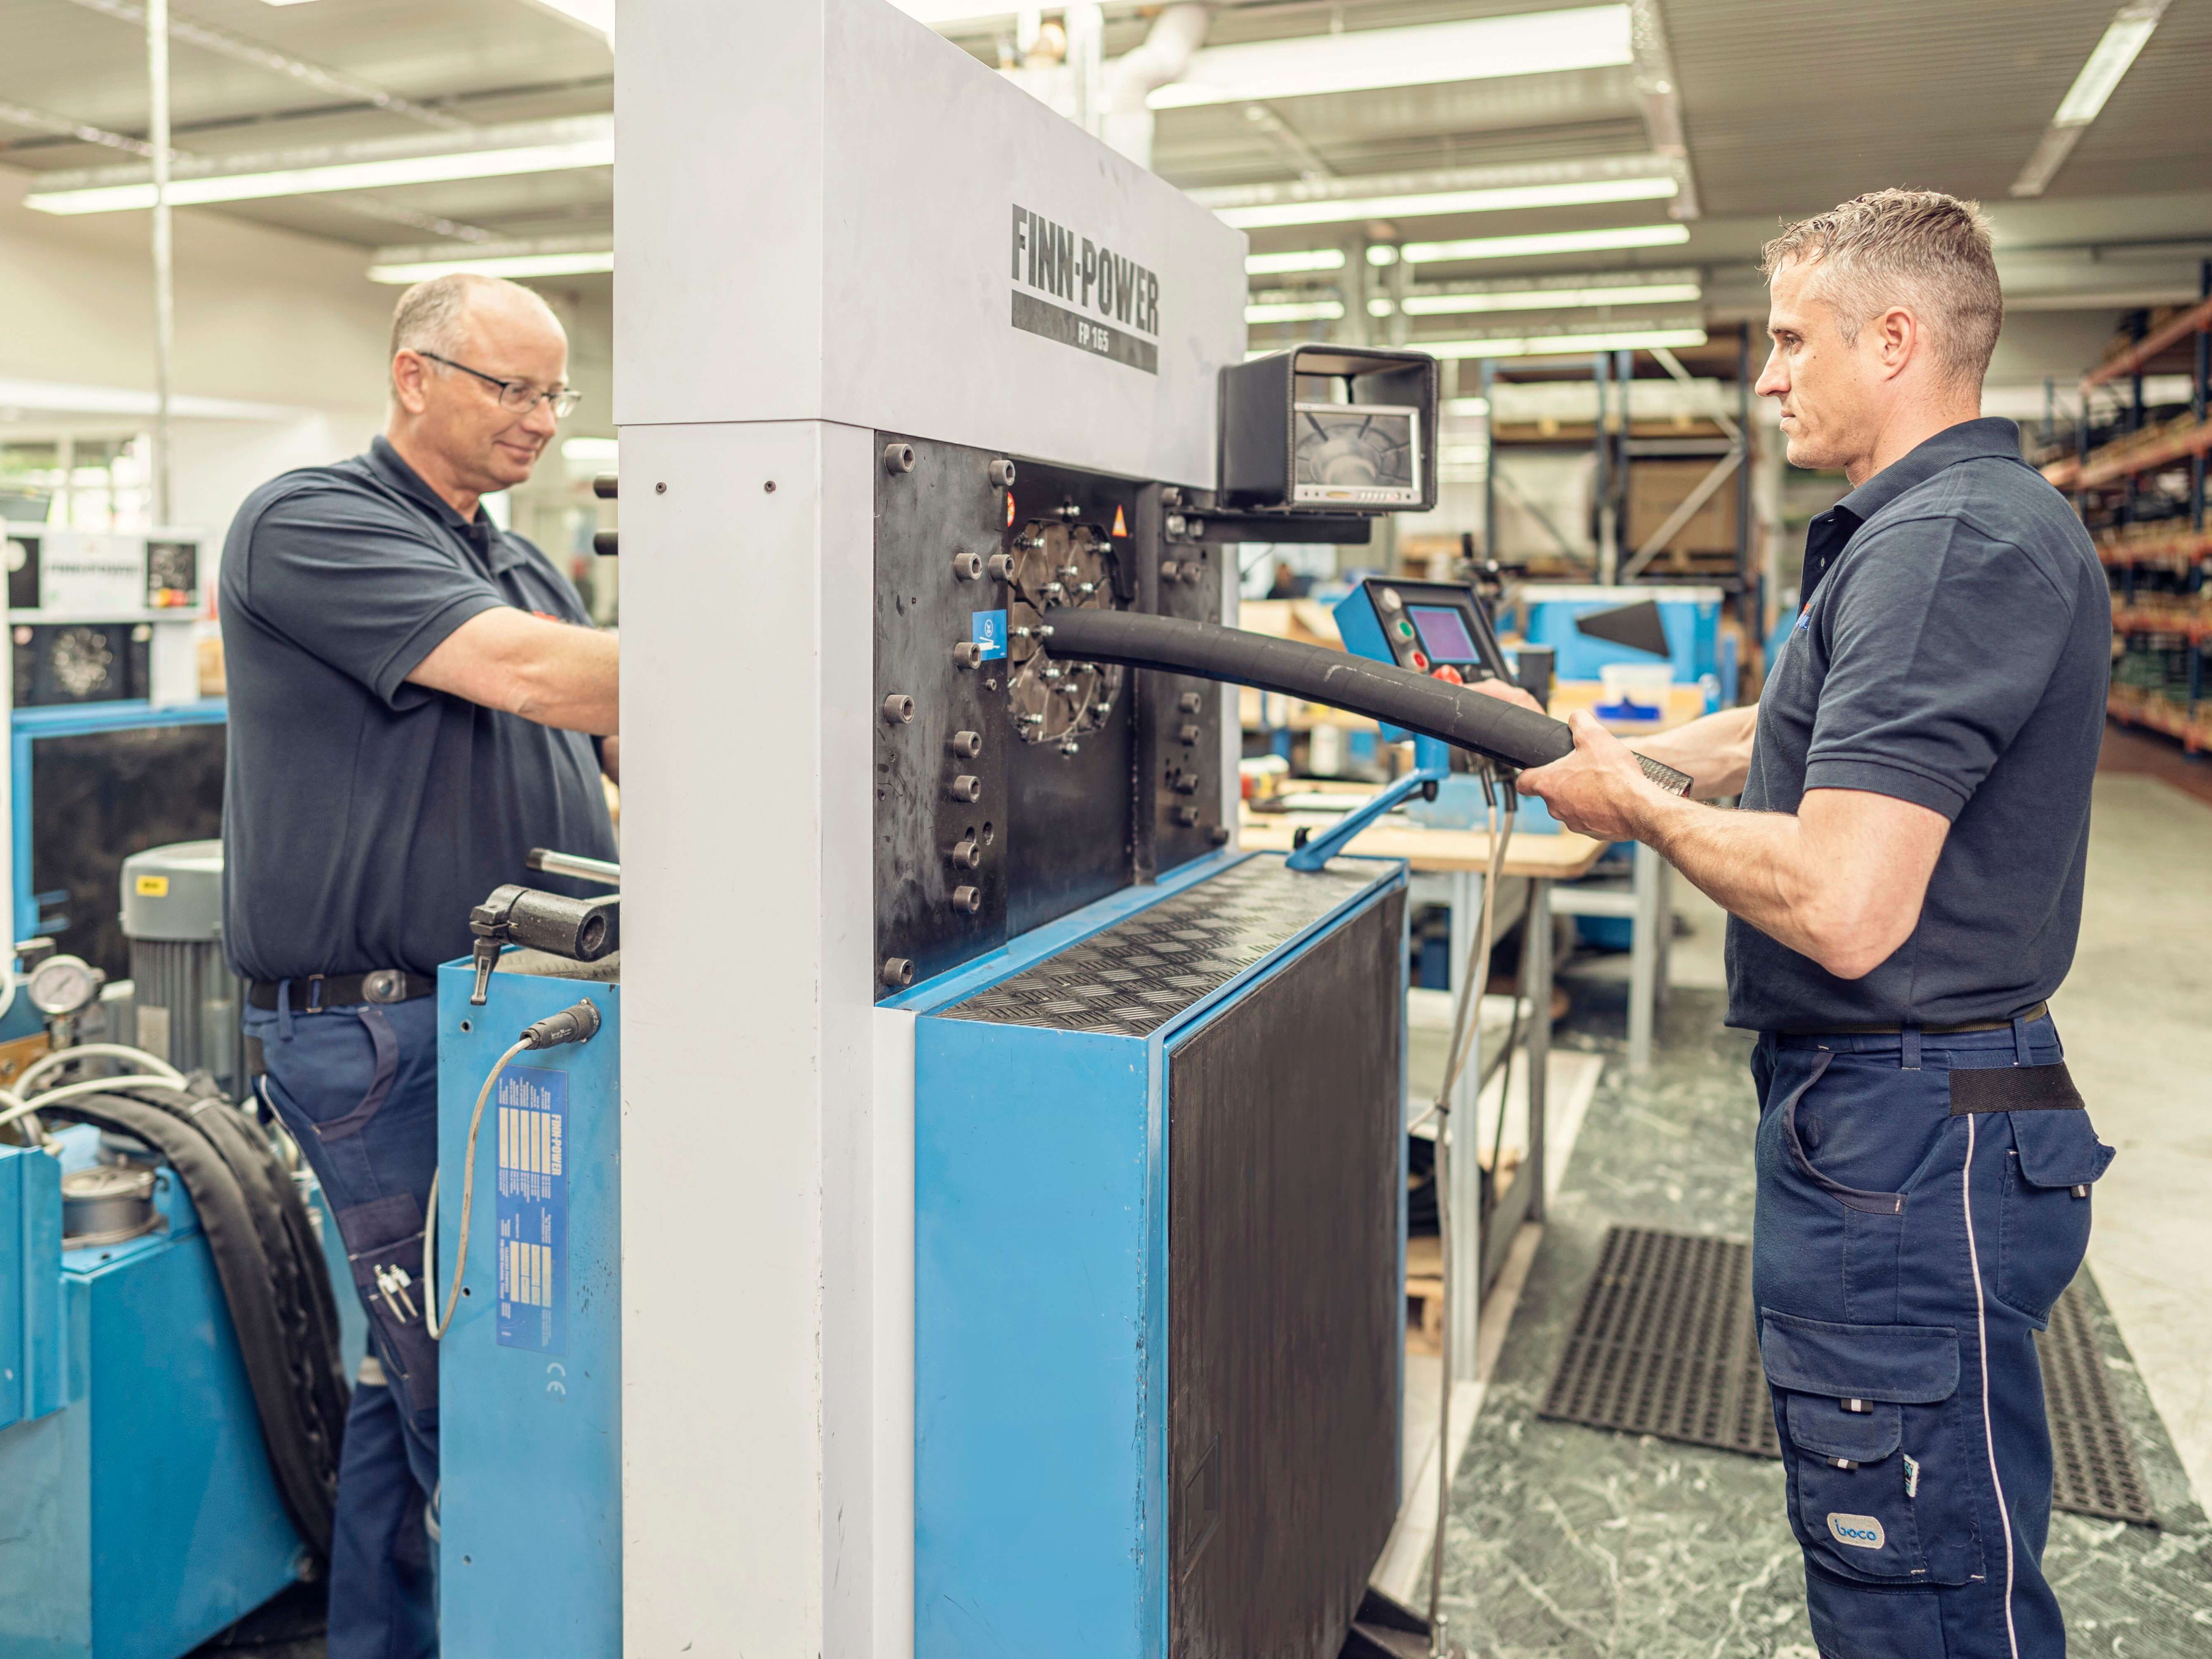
1696,648
530,1364
139,1512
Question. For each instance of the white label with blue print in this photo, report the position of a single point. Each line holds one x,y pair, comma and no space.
987,629
1860,1532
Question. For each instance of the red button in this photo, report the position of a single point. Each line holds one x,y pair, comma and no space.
1448,672
1420,662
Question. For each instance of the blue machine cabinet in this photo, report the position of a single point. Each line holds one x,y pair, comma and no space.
138,1515
530,1370
1159,1255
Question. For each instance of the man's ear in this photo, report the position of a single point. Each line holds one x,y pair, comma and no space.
1897,339
408,371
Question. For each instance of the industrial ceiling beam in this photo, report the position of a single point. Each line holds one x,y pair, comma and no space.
65,126
239,48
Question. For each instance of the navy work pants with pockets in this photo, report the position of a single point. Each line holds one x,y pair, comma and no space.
1915,1225
357,1087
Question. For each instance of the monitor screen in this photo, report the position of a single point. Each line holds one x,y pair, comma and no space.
1444,633
1362,454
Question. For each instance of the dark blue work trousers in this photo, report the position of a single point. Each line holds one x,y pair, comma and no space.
357,1087
1911,1234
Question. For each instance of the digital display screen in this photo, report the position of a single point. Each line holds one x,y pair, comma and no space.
1444,633
1364,454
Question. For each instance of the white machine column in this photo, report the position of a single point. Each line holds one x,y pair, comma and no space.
821,224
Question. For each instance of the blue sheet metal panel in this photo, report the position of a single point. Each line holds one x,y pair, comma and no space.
1036,1155
45,1536
33,1375
530,1404
188,1532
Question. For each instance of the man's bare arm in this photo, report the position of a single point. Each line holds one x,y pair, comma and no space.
555,673
1716,751
611,758
1840,880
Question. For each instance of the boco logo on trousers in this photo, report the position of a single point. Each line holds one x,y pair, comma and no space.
1862,1532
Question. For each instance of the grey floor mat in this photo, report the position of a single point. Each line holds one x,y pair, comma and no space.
1665,1344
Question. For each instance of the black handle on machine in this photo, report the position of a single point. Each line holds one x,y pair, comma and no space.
582,930
1397,697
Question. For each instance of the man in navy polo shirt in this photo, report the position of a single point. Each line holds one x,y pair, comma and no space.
417,699
1904,884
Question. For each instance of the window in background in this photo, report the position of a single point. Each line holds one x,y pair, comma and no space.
77,482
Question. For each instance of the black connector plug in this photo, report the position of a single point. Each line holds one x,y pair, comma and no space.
578,1025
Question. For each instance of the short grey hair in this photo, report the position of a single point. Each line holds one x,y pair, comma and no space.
1920,248
433,316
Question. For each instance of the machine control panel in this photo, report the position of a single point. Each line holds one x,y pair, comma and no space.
1430,628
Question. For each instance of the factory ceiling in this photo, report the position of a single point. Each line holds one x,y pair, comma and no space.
1743,111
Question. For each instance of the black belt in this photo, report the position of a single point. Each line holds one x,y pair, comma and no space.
318,992
2031,1014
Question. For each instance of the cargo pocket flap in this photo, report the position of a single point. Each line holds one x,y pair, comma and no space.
2058,1149
1820,1425
1899,1365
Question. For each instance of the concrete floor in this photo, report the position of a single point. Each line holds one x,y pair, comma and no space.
1573,1543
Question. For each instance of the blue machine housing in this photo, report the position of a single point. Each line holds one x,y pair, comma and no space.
530,1370
138,1515
1135,1240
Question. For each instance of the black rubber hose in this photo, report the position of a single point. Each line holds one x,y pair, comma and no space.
1395,696
272,1273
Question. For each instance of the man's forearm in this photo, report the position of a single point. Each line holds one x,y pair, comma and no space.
1715,750
572,681
1750,864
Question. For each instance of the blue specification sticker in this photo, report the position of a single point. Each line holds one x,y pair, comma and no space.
988,629
534,1208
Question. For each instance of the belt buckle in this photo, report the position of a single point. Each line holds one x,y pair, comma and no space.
385,985
314,995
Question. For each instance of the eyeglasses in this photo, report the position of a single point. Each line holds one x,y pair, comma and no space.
518,395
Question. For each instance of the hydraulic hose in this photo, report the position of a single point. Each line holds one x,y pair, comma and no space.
1396,696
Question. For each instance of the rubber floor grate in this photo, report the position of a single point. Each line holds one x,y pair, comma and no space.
1665,1343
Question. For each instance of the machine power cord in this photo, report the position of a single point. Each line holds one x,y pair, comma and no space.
432,1319
576,1024
1467,1016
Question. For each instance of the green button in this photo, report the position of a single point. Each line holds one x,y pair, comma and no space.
1405,630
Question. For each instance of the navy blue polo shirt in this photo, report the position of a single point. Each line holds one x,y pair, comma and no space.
1952,651
362,816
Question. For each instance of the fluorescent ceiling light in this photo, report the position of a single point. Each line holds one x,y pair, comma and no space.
554,147
1277,265
2108,63
1550,299
1294,310
1562,345
1362,60
512,265
1555,242
1577,193
2114,54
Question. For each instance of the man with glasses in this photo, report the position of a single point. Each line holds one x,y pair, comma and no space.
418,698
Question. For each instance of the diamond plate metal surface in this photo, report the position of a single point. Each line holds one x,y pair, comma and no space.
1135,976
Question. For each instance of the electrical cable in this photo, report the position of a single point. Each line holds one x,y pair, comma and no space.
58,1057
18,1107
1466,1021
436,1322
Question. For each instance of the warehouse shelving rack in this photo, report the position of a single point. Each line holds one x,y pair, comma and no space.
2158,562
1616,449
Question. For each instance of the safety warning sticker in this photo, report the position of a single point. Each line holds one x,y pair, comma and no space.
988,630
534,1208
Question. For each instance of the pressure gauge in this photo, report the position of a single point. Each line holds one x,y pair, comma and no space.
62,985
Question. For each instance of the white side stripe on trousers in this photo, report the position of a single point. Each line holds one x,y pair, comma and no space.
1981,1341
